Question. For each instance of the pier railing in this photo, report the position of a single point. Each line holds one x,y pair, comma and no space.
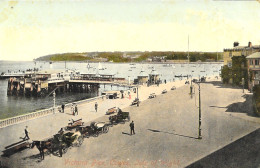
41,113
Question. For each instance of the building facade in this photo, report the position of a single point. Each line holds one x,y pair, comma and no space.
253,69
237,51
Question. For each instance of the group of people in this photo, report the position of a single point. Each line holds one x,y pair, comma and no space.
74,109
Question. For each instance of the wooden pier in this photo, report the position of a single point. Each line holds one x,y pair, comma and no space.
43,84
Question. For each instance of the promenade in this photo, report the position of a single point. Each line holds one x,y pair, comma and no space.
166,129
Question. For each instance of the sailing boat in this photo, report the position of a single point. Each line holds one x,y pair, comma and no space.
100,67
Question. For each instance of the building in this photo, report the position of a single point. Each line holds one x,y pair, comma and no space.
237,51
253,69
142,77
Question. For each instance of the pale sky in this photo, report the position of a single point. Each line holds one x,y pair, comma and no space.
30,29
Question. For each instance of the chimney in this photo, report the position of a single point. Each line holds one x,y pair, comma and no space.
249,44
236,44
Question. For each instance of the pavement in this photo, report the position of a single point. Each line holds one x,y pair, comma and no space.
166,129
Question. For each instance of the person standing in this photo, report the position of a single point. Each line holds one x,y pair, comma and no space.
132,127
76,110
72,109
63,107
26,133
41,149
96,106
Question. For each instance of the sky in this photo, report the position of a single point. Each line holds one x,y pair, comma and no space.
30,29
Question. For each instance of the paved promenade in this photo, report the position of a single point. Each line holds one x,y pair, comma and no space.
166,129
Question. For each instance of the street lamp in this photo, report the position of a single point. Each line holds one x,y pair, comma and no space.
54,99
199,136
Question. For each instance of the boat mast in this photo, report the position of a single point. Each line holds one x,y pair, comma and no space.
188,49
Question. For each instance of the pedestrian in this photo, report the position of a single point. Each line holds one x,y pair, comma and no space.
132,127
96,106
63,107
41,149
165,81
76,110
26,133
72,109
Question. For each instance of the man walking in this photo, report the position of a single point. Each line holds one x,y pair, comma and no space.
62,107
132,127
96,106
26,133
41,149
76,110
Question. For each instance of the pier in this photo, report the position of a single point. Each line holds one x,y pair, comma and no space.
46,82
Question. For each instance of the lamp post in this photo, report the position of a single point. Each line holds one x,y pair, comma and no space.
243,83
199,137
54,94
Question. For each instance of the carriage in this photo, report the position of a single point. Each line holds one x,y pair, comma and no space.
60,142
73,124
173,88
152,95
94,129
136,101
111,110
120,117
164,91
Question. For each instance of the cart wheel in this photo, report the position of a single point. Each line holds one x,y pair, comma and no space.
64,150
95,134
80,141
106,128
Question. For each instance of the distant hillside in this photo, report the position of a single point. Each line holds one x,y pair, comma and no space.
136,56
64,57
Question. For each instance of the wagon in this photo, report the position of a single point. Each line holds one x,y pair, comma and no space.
136,101
173,88
120,117
164,91
65,140
16,147
94,129
111,110
73,124
152,95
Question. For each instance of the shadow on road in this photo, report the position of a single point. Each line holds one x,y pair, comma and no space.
241,107
157,131
244,152
126,133
219,84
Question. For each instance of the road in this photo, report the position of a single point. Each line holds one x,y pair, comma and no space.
166,132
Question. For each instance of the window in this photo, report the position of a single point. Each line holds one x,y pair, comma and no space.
256,62
251,62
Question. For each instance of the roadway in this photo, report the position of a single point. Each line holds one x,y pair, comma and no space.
166,132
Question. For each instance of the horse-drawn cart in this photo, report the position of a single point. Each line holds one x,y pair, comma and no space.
16,147
94,129
73,124
120,117
111,110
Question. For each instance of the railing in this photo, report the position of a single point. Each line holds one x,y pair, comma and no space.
41,113
25,117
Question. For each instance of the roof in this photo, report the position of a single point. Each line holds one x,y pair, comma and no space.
50,71
254,55
154,72
142,73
